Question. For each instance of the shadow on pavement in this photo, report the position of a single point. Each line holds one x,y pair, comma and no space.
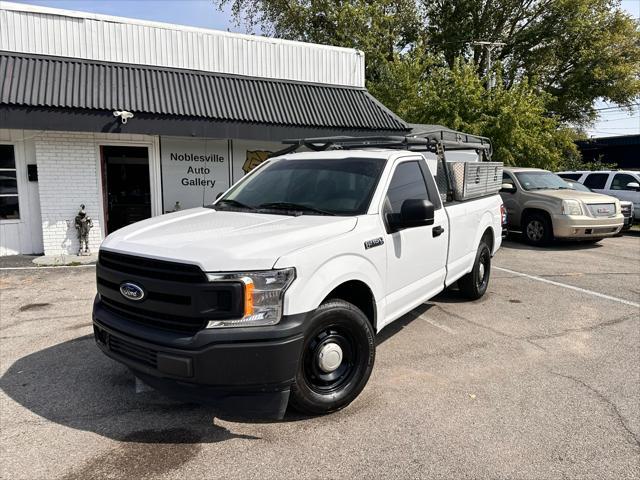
399,324
516,242
75,385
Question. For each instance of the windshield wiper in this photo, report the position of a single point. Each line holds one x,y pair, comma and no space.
234,203
294,206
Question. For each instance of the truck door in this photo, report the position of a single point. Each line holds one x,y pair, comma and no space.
416,257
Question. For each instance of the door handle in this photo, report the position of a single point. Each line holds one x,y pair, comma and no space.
437,231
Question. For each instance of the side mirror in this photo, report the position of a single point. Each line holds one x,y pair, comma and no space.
508,188
415,212
633,186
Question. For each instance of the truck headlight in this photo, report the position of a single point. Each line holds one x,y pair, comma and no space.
571,207
263,295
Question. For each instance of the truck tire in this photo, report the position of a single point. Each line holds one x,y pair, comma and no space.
537,229
474,284
337,358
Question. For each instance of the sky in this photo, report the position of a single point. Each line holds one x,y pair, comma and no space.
205,14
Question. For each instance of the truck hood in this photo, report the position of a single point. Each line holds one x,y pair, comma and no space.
585,197
220,241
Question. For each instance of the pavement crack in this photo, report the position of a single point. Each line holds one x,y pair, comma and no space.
589,328
494,330
620,418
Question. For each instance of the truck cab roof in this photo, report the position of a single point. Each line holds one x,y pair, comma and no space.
381,153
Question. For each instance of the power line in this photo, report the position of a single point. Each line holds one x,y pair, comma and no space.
618,119
618,107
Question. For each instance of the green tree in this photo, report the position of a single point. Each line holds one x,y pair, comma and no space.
425,90
576,50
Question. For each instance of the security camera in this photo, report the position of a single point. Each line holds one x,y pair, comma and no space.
123,114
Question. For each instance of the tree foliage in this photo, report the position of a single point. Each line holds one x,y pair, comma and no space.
424,90
577,50
558,58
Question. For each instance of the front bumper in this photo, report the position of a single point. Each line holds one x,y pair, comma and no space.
240,372
582,227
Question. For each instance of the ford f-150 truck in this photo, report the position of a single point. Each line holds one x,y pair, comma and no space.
273,295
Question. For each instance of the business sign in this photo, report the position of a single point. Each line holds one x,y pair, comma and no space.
194,171
248,154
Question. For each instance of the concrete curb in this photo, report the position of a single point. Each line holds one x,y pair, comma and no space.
65,260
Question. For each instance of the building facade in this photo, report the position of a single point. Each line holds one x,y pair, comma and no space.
135,119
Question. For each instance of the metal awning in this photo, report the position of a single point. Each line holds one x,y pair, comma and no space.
63,83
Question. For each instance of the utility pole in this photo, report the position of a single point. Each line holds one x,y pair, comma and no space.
488,47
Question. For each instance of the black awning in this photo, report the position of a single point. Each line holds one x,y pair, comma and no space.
62,83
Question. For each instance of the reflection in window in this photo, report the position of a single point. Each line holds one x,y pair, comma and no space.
621,180
407,183
9,204
596,180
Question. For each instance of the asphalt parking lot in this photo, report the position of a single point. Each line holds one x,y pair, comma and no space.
539,379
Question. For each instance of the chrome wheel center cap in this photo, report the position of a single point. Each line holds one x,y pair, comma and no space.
481,271
329,357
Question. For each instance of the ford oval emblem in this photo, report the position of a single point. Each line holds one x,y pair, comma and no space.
131,291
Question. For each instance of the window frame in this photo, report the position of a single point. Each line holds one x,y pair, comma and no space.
383,211
613,179
17,194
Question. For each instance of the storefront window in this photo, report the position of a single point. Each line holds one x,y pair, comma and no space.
9,204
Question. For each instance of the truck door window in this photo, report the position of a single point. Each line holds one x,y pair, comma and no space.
596,180
407,182
621,180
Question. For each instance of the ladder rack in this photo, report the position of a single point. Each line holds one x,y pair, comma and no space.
455,181
429,141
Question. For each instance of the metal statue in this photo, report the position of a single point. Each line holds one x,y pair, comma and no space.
83,225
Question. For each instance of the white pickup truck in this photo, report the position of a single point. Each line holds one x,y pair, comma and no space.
273,295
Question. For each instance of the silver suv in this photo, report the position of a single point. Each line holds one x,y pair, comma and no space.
622,184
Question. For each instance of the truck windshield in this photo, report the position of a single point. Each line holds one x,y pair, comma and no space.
308,187
541,181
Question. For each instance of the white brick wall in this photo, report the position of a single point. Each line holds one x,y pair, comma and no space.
68,164
68,177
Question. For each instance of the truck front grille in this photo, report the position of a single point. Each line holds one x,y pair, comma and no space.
602,209
177,297
154,319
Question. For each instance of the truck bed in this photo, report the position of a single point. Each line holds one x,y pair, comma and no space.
464,218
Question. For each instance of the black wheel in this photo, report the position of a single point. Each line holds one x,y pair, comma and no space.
474,284
537,229
337,359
